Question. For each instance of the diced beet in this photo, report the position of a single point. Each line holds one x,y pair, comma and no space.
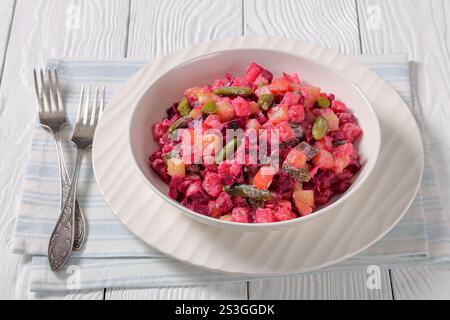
213,184
172,111
240,214
263,215
323,196
240,202
324,179
354,166
160,128
342,186
224,202
199,207
337,135
230,173
296,113
241,107
282,214
285,131
156,155
351,131
160,167
290,98
173,186
261,117
338,106
196,192
346,117
213,122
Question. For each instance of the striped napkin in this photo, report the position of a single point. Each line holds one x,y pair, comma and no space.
114,257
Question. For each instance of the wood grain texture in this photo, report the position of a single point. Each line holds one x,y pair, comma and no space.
6,16
421,283
42,29
225,291
332,24
421,29
341,285
160,27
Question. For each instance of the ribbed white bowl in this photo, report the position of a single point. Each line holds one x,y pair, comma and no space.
345,230
162,91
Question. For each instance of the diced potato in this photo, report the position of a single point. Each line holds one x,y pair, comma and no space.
225,111
176,167
332,119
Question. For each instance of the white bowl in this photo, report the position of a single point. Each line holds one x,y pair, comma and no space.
201,70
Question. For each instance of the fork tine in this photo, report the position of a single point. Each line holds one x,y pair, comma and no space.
58,92
102,103
55,102
51,90
94,108
86,106
80,106
44,92
36,88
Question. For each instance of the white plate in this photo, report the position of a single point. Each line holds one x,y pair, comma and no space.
353,226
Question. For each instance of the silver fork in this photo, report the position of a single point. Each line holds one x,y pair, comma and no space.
52,116
62,239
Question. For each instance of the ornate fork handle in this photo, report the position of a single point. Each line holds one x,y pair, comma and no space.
62,239
80,224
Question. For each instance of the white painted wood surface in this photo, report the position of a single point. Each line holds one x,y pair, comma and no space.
6,11
42,29
144,29
348,285
228,291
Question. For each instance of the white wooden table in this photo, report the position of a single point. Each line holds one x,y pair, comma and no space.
32,31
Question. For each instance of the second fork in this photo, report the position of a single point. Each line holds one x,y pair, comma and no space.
62,239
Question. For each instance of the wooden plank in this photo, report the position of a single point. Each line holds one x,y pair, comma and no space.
226,291
43,29
332,24
161,27
6,17
421,283
420,29
339,285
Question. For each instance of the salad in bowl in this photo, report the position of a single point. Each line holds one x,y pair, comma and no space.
256,148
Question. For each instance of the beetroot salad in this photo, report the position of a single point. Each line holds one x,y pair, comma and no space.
256,149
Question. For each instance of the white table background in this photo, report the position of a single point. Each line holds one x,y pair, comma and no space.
32,31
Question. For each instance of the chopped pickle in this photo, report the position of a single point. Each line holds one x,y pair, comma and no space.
209,107
233,91
226,151
184,108
265,101
248,191
180,123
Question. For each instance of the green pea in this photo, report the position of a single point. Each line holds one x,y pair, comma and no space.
323,102
319,129
266,100
209,107
184,108
233,91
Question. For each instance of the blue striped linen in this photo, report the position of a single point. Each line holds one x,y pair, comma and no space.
113,257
